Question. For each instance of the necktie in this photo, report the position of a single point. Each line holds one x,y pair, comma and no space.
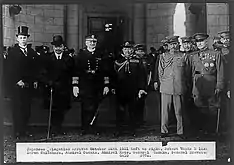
24,51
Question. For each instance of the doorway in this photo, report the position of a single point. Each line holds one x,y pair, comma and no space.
109,32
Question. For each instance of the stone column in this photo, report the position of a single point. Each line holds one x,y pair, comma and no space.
139,30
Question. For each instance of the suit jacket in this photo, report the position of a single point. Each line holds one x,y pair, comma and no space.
20,67
57,74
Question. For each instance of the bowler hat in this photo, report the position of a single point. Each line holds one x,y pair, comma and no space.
200,36
23,30
57,40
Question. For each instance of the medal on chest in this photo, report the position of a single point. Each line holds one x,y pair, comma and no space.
208,60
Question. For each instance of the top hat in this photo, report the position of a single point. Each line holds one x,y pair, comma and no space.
140,47
128,44
200,36
23,30
173,39
186,39
224,34
91,37
57,40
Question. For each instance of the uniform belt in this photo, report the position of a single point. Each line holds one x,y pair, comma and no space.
91,71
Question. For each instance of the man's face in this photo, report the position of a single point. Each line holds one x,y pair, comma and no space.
165,46
202,44
225,41
127,51
58,48
173,46
187,46
91,44
140,53
22,39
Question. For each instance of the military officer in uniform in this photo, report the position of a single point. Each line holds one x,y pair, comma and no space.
130,86
224,49
90,82
140,52
173,76
207,75
217,44
20,72
56,75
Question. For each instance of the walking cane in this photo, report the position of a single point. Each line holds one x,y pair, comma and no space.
217,124
49,122
50,111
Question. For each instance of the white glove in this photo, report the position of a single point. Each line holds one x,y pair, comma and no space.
20,83
229,94
76,91
105,91
35,85
155,86
141,92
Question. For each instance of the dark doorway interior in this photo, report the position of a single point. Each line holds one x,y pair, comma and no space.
109,31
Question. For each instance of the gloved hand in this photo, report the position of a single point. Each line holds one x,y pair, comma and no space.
217,92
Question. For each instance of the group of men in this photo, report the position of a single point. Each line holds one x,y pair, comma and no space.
195,80
92,75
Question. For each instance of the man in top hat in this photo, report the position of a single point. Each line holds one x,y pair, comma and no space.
130,86
207,75
224,49
90,83
173,76
20,72
56,75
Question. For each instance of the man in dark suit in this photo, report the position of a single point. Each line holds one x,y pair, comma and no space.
91,82
20,72
57,75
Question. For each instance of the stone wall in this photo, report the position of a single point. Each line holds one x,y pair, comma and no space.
43,21
8,26
217,18
159,22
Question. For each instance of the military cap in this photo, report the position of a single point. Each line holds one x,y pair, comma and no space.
128,44
139,47
216,38
23,30
173,39
164,41
200,36
57,40
224,34
91,37
186,39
